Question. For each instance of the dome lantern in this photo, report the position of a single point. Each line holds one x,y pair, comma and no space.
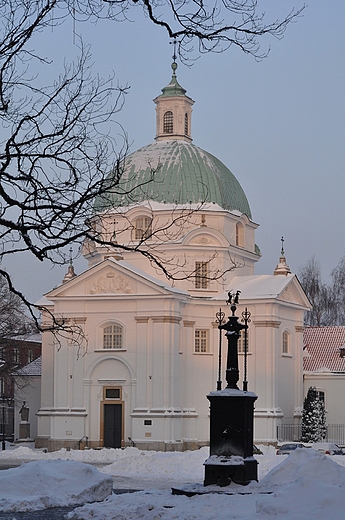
173,112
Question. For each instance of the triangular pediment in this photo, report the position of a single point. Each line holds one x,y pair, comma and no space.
293,293
112,277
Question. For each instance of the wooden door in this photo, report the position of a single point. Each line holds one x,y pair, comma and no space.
112,425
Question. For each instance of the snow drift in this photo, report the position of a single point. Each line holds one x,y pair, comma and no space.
51,483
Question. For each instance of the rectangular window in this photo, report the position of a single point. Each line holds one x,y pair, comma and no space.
15,355
112,393
143,228
241,343
201,275
201,341
30,356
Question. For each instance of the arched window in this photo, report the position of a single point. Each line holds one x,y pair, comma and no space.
239,235
286,342
143,228
112,337
186,129
168,122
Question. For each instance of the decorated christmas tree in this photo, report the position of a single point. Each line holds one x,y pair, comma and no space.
313,418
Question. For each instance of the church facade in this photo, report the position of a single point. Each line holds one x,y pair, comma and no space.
150,353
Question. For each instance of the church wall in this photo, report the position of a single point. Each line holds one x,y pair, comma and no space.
216,236
288,373
272,375
47,380
163,382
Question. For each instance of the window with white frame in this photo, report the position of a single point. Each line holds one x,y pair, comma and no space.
241,342
201,341
286,342
113,337
201,275
143,228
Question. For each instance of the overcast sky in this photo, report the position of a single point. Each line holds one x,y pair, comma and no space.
277,124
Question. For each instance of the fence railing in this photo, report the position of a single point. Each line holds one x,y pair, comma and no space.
293,432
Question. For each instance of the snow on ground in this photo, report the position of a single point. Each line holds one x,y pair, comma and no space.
304,485
51,483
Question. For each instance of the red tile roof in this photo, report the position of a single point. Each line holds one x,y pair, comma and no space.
322,349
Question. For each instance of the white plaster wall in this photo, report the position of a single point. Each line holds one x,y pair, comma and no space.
160,375
333,385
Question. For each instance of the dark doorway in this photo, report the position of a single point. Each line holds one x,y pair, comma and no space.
112,425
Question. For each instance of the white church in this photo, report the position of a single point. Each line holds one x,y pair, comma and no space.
151,348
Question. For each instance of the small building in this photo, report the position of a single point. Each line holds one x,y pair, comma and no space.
324,368
15,353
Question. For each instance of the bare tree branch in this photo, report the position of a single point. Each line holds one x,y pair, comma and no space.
57,147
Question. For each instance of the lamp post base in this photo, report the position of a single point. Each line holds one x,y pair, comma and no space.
220,471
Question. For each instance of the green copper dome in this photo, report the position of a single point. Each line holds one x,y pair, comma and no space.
175,172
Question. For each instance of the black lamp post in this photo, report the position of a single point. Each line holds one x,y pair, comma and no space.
3,419
220,317
231,414
2,384
246,319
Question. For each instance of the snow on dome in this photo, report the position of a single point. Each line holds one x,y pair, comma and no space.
175,172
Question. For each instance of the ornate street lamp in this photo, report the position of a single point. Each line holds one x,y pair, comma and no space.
231,412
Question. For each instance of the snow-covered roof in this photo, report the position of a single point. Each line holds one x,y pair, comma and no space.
322,349
32,369
259,286
44,302
35,337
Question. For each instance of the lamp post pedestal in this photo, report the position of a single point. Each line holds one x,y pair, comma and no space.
231,438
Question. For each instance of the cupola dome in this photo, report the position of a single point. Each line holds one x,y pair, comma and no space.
172,170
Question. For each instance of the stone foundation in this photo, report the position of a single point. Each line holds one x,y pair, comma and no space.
57,444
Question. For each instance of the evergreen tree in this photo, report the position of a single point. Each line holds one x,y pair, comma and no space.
313,418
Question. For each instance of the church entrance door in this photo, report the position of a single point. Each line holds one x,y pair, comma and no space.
112,425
